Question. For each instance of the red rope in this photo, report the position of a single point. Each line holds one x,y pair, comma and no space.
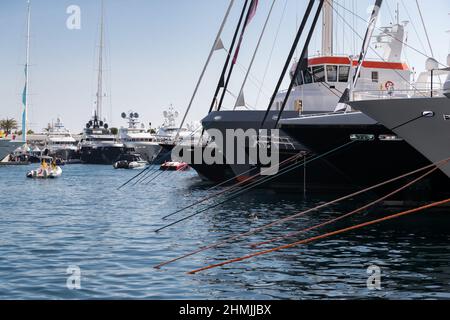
305,241
280,221
323,224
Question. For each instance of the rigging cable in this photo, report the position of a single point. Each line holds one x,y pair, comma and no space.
271,53
384,60
391,36
299,65
220,84
414,26
241,91
425,28
289,58
214,48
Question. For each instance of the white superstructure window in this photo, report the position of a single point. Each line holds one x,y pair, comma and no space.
319,73
375,76
343,73
332,73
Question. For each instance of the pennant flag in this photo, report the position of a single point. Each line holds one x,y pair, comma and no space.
240,100
219,45
250,14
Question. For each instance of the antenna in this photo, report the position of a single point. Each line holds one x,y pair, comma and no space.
27,77
397,13
100,65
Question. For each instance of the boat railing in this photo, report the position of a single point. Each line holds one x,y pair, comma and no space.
397,94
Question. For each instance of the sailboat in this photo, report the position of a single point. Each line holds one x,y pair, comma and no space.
98,145
8,144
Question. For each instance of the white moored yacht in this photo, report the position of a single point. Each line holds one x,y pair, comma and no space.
59,142
137,137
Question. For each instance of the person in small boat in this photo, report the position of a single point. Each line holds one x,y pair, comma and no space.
53,163
44,164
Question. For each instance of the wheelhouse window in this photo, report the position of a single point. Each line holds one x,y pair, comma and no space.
344,72
332,73
299,79
319,73
307,75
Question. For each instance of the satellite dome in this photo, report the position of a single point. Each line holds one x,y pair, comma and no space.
431,64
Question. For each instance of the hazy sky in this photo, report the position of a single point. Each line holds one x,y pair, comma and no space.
156,49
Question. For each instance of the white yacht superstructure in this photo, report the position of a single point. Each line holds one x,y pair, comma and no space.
167,133
137,137
60,142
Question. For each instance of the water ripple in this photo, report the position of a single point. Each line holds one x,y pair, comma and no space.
82,220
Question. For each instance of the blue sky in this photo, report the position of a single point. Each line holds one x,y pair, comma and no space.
155,52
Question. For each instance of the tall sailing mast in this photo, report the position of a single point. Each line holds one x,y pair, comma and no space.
27,76
98,111
327,28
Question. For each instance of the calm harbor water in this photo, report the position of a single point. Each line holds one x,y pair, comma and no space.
82,220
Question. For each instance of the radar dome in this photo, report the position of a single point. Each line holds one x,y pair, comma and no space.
431,64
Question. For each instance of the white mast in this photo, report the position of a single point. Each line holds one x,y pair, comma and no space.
327,28
27,75
100,69
342,106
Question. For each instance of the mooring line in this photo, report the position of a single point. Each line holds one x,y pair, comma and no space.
247,179
300,154
371,204
156,176
319,237
255,184
149,174
134,177
145,170
294,216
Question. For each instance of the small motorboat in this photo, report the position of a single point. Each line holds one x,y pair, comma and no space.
174,166
48,170
130,161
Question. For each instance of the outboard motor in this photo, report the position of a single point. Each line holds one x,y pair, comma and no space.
447,82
